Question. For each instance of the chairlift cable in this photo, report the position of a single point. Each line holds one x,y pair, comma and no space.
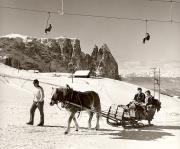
165,1
25,9
91,15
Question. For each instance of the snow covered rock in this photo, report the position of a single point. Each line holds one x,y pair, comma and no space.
103,61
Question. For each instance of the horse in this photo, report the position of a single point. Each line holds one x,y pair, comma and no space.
76,101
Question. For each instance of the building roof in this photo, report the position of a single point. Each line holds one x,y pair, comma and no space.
82,73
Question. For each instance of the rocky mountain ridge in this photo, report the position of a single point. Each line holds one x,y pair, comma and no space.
55,55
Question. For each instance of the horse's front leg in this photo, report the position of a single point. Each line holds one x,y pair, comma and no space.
97,123
76,124
69,122
90,119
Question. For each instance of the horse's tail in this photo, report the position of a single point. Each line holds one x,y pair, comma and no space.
97,104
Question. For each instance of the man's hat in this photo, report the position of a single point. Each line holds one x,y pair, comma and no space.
36,81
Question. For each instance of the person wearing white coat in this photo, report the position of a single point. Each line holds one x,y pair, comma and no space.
38,102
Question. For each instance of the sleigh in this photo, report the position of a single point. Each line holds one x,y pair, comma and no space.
130,116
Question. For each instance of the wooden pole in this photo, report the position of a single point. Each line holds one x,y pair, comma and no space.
159,84
18,66
62,7
154,80
72,76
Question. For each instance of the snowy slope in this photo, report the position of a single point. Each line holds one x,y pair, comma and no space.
110,91
16,99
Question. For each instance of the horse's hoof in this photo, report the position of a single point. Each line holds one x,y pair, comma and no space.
97,128
65,132
77,130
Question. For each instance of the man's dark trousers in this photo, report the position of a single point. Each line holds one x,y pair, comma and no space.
40,106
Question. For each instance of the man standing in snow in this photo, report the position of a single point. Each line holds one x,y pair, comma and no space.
140,96
38,102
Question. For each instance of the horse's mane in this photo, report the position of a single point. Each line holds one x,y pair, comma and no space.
72,96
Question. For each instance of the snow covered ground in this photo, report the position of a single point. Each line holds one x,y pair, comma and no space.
16,98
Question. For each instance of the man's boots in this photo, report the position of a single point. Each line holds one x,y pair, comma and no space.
29,123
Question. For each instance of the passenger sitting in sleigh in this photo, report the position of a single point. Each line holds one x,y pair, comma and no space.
148,101
140,96
149,98
141,101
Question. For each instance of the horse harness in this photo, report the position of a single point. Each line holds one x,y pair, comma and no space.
67,104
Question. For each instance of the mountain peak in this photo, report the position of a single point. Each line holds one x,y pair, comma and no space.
12,35
105,47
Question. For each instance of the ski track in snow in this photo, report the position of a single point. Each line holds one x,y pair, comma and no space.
16,99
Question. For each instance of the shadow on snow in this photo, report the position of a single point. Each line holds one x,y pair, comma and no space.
144,133
141,134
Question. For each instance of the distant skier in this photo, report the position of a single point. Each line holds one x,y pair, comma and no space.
147,37
48,29
38,102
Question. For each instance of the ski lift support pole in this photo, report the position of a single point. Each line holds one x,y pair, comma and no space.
159,84
154,79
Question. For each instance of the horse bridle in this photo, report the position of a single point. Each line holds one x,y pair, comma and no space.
64,100
65,103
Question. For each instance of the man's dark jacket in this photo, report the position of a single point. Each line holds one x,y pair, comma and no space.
140,97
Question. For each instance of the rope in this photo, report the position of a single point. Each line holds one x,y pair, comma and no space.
58,107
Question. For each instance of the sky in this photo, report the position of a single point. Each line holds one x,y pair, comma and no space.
123,37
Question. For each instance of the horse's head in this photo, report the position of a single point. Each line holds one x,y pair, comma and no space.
57,96
60,95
